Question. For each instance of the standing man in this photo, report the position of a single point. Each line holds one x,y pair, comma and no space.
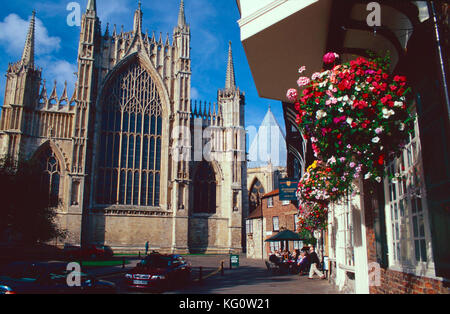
314,259
146,248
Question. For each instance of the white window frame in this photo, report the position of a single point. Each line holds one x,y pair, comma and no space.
402,218
277,224
249,226
270,202
284,203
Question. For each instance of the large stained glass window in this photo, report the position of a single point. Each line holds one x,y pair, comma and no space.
129,163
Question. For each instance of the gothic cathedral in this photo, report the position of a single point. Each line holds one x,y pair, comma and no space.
130,157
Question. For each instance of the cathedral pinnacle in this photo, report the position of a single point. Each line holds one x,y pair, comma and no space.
230,82
138,20
181,15
28,51
92,5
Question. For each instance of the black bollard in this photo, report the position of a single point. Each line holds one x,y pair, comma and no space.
222,269
200,275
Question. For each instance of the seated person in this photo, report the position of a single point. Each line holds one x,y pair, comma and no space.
275,259
303,263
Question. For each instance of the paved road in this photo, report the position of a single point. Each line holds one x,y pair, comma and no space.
251,277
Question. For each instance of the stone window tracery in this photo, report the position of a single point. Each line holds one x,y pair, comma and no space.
129,164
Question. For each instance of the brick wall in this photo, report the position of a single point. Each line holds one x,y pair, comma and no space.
285,213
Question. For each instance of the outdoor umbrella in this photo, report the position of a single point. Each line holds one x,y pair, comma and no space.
285,235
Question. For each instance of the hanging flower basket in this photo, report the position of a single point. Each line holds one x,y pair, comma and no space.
355,114
312,216
318,187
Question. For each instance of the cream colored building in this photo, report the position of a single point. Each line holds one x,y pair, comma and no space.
131,157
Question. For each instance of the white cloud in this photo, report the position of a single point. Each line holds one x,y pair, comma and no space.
13,32
194,93
59,70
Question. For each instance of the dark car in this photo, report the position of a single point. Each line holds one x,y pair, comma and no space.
159,271
49,278
89,251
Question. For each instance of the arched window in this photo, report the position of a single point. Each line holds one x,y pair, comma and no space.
205,189
256,192
51,174
130,140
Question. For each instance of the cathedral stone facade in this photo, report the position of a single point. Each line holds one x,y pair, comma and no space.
130,157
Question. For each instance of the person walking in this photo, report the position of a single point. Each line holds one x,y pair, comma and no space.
314,260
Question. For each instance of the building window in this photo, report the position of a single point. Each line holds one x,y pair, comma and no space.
275,223
249,226
284,203
205,189
51,175
256,192
275,246
129,163
298,245
235,201
270,202
295,222
406,210
75,193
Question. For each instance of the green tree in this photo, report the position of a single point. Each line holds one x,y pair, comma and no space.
308,237
25,211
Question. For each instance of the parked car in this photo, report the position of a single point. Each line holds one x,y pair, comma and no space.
48,278
159,271
88,251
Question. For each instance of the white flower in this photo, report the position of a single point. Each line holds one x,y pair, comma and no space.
349,120
398,104
345,98
341,109
320,114
401,127
378,179
367,176
324,73
387,113
332,160
376,139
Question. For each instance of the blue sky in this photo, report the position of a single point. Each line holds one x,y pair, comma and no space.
213,24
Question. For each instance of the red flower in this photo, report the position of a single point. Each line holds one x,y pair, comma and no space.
381,159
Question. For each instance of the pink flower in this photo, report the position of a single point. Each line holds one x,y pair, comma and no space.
330,57
303,81
303,68
315,76
292,94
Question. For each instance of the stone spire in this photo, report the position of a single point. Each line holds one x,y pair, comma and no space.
137,26
28,51
92,5
181,16
230,82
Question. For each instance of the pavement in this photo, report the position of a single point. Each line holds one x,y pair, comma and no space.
251,277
